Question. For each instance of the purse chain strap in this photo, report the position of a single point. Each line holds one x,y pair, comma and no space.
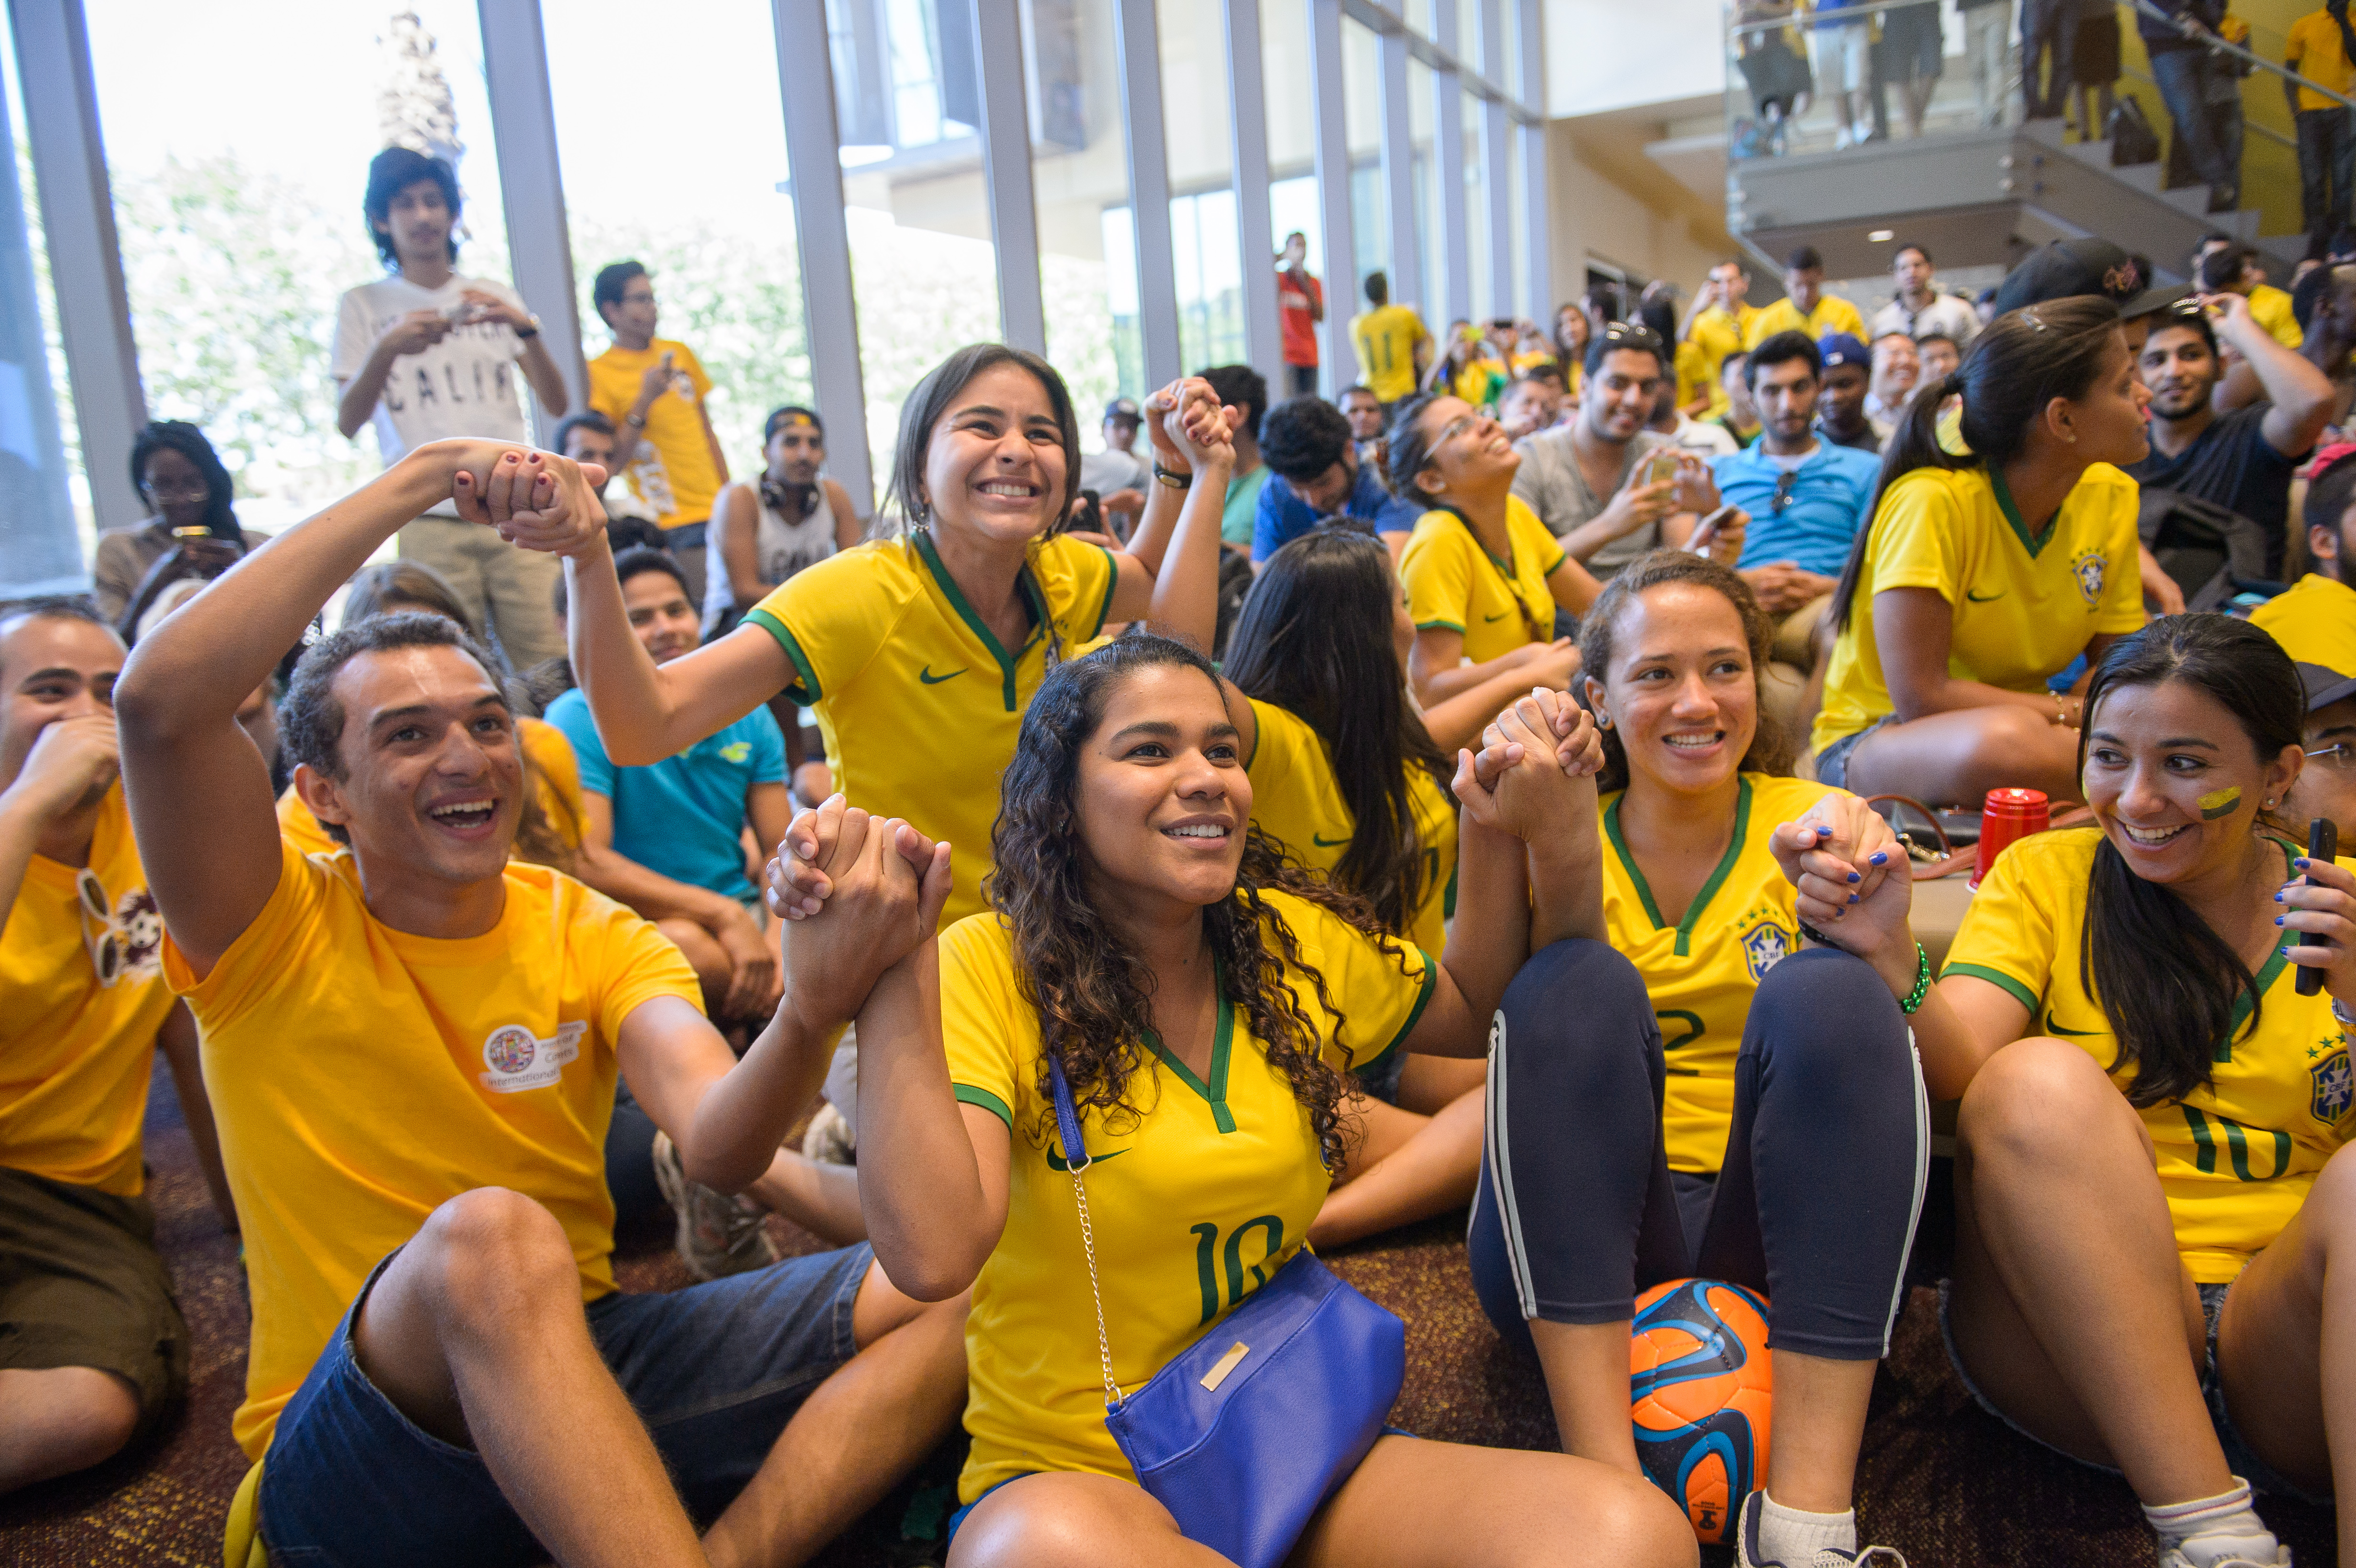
1089,1240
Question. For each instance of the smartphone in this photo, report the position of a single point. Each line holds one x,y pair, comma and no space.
1662,465
458,312
2322,844
1705,534
1091,519
200,532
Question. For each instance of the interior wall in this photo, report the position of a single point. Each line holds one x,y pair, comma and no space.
1596,213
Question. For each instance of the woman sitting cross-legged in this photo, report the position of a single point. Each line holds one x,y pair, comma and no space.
1703,1096
2155,1258
1204,1002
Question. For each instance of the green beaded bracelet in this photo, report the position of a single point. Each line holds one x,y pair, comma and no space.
1911,1001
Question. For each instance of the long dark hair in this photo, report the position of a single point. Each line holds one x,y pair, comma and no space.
1093,995
2168,983
2018,363
1407,450
178,435
931,399
1315,639
1770,750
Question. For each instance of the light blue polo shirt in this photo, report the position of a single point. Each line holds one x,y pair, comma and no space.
681,815
1825,505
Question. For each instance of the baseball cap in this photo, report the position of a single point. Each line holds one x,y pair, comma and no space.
2325,686
1124,409
2087,266
1843,348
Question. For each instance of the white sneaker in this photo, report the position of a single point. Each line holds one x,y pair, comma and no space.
828,1141
718,1235
1746,1547
2245,1552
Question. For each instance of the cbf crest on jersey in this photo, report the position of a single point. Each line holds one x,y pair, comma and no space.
2335,1087
2089,568
1765,946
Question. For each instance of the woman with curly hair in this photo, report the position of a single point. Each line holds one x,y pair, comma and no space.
1750,1110
1205,1001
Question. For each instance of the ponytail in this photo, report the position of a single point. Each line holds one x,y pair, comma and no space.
2017,364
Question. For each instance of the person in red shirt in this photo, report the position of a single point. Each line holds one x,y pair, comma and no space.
1299,308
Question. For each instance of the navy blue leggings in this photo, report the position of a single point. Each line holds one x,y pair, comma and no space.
1822,1183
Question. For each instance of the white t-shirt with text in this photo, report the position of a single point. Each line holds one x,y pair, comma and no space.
463,385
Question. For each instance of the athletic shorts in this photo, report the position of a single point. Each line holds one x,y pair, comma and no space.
1832,762
82,1286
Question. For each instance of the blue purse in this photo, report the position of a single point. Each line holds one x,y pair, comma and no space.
1246,1432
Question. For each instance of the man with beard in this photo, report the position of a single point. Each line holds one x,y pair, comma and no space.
2316,621
2242,460
1840,407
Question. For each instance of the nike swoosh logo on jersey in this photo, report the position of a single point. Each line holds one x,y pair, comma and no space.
2054,1026
1983,598
929,679
1327,843
1056,1161
1498,617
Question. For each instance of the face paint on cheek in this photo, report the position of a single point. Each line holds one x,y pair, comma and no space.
2220,803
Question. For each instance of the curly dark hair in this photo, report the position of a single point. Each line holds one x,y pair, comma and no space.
1093,995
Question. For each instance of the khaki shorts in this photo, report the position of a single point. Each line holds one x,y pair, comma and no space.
82,1286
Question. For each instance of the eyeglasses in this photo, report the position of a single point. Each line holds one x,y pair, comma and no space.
105,944
2341,756
199,491
1785,482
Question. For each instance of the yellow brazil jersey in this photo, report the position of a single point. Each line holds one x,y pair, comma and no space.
1452,581
1478,383
2314,621
2270,308
361,1077
673,471
1386,337
1717,334
81,994
1199,1193
918,704
1694,377
1297,800
555,782
1702,972
2313,48
2025,604
1833,314
2237,1156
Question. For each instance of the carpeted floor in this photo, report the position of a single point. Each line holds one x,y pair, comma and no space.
1941,1480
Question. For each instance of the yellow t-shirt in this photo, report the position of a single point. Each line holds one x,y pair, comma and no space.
1479,383
1702,972
2270,308
1717,334
1833,314
2314,621
1298,801
673,470
76,1048
555,780
2024,606
2314,50
918,703
1453,581
1386,337
1695,379
361,1077
1196,1198
2236,1157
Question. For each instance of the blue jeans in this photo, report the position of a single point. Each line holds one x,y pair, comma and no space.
2183,77
2327,167
714,1370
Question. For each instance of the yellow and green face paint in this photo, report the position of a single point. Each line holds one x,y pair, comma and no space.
2220,803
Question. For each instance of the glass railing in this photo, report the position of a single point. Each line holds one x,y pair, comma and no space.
1811,78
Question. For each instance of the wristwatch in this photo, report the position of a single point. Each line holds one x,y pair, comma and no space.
529,330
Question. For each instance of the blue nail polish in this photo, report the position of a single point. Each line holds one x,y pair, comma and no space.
1880,858
1855,877
2278,920
2278,897
2300,862
1824,832
2286,952
1852,898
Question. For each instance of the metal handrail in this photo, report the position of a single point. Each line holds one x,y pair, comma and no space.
1803,18
2204,36
2249,126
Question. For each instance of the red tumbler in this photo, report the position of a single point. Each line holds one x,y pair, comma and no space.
2008,813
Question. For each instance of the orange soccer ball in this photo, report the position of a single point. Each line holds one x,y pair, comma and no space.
1701,1391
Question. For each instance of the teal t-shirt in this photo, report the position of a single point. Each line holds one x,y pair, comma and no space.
1242,506
681,815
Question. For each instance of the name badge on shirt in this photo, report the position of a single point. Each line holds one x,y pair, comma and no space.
520,1059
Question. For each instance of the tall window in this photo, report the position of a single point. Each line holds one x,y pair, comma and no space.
32,367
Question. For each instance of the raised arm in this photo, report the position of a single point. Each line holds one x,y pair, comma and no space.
2301,394
1170,575
200,793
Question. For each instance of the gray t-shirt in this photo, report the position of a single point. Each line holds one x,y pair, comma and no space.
1557,492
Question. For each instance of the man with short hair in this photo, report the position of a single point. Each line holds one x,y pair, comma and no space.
2242,269
1740,419
1940,357
1315,477
1118,474
411,1050
2327,784
1299,308
2242,461
427,353
1369,418
1241,388
1918,306
1841,392
1705,439
1804,307
1394,346
1890,383
589,437
653,389
2314,621
93,1348
1531,405
1586,480
1720,325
